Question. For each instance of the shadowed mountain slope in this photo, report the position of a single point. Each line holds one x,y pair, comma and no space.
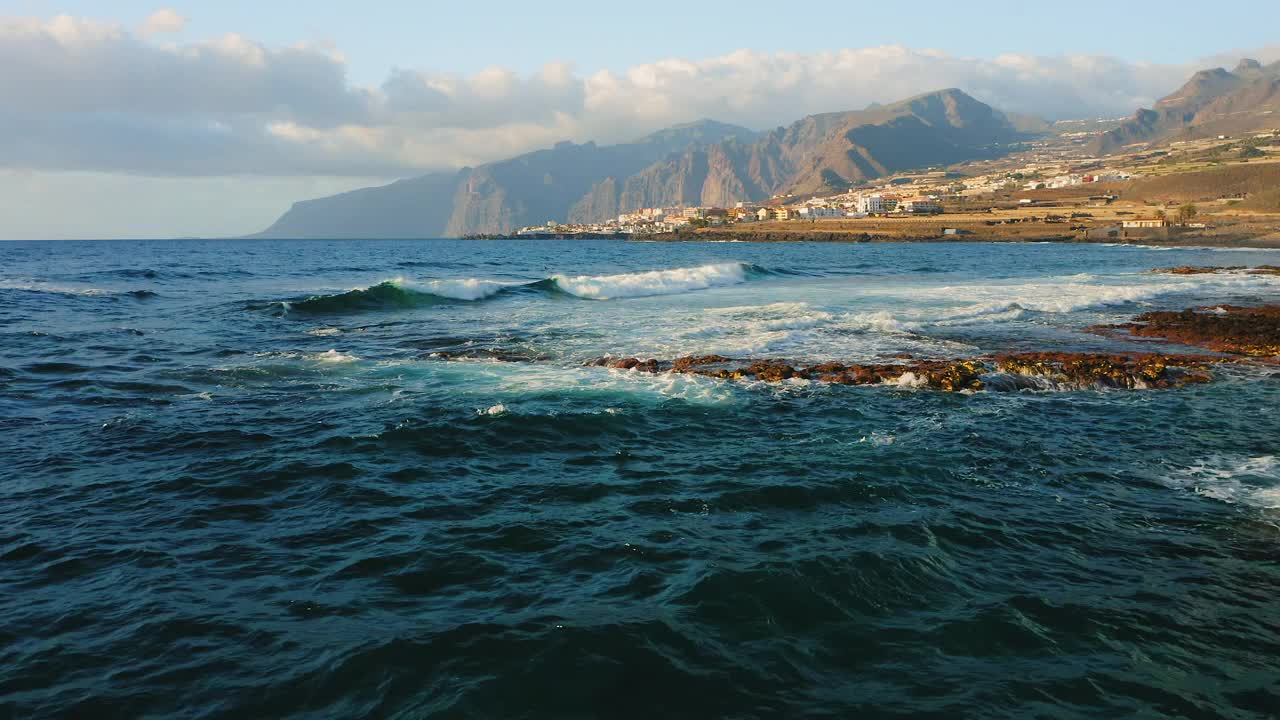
702,163
1212,102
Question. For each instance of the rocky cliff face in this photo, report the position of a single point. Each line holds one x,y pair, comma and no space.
825,152
416,208
704,163
1212,102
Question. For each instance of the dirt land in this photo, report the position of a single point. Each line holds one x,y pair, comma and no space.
999,226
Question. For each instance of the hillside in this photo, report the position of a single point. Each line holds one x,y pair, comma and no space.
825,152
703,163
1256,184
1212,102
496,197
415,208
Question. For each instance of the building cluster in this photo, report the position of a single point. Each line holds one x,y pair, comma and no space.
1073,179
899,196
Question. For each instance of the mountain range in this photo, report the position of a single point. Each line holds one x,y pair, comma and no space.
701,163
1213,102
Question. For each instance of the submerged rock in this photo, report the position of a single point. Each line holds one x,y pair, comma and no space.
688,363
1211,269
1127,371
649,366
495,355
1076,370
1252,331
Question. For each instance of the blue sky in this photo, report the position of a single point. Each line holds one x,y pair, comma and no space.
377,35
155,118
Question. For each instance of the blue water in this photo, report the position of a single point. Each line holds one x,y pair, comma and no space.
240,479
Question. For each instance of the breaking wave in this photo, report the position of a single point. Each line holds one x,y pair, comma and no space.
44,288
402,294
657,282
1237,480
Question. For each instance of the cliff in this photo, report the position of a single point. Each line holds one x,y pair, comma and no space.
702,163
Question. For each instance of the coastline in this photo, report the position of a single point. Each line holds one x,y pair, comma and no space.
1248,234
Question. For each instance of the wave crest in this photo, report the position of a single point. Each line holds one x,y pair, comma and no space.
656,282
398,293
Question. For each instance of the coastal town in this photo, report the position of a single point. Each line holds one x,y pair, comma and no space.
1053,184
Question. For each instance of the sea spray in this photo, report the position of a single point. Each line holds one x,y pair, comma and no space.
654,282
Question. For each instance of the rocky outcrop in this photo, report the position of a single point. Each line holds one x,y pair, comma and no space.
1213,269
1252,331
1127,371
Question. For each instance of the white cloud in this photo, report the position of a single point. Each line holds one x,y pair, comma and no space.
162,21
85,95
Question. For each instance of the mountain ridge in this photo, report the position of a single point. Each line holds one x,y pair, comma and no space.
1211,102
700,163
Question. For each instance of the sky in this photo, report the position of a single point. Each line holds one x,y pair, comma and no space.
153,119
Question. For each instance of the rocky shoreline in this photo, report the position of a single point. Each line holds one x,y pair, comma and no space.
1239,335
1236,334
1249,331
1006,371
1250,236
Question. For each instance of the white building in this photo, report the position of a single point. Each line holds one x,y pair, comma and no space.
877,204
921,205
817,213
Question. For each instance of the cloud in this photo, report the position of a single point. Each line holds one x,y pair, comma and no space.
162,21
88,95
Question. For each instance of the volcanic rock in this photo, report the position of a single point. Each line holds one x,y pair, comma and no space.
1253,331
1210,269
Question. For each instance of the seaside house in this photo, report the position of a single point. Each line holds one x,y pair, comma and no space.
817,213
921,206
1145,223
877,204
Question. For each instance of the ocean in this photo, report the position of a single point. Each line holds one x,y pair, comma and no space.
323,479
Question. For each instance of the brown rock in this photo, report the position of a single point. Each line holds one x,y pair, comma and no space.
772,371
1122,370
1210,269
650,366
1253,331
689,362
1125,370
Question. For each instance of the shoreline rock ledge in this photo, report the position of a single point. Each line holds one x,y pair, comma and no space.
1004,371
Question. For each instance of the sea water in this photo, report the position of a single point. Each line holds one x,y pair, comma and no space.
375,479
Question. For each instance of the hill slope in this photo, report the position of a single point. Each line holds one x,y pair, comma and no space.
703,163
492,198
824,152
1212,102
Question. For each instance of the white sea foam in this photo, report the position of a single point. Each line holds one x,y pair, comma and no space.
994,302
654,282
332,356
751,329
324,332
909,380
44,287
1243,480
880,321
462,289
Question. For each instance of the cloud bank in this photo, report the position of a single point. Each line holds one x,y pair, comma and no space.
164,20
87,95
